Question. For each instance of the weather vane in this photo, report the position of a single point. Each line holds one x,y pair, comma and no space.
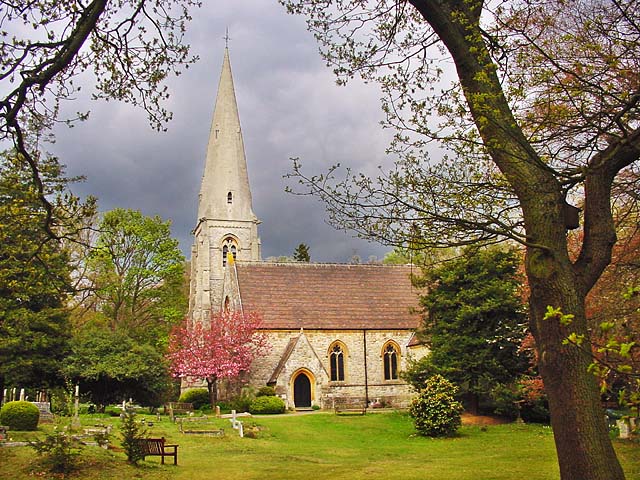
227,38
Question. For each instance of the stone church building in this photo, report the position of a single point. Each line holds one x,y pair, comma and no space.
338,333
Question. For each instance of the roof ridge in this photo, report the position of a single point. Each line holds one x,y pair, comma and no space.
322,264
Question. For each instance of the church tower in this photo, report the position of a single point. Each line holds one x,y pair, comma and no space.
226,223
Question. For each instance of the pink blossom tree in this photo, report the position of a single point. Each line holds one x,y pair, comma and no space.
222,348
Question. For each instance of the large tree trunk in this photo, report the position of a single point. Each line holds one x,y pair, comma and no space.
584,448
212,387
577,417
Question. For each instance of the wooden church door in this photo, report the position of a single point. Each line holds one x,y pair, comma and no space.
302,391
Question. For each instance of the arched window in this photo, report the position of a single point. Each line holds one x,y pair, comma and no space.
336,362
390,357
229,197
229,245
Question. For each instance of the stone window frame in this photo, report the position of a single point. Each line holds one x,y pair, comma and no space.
391,355
229,244
345,353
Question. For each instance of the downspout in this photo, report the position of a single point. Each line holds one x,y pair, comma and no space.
366,376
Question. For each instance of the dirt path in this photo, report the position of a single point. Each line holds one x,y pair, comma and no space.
468,419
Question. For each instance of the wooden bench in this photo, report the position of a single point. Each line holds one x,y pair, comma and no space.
345,406
158,447
178,407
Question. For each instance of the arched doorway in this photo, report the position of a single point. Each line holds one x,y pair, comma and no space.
302,391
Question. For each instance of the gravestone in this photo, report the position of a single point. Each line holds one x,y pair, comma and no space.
45,411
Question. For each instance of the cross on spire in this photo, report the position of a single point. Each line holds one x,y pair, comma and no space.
226,38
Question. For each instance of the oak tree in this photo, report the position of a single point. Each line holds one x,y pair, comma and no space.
542,114
130,46
134,276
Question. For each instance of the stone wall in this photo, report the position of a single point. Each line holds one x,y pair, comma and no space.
295,352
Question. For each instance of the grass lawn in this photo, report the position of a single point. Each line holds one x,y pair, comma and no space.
321,446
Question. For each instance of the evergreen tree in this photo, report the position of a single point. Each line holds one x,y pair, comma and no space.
301,253
34,275
474,322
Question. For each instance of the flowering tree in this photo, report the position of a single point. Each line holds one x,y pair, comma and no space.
224,347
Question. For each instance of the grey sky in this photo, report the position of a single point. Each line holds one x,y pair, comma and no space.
289,107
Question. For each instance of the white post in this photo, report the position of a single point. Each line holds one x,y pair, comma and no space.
22,394
76,414
240,430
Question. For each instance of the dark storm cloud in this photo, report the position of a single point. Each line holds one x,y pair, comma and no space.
289,107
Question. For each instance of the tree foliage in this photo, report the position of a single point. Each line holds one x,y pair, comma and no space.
35,275
474,322
132,433
134,277
301,253
543,111
130,46
222,348
435,411
111,367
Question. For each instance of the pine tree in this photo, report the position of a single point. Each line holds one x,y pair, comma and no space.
301,253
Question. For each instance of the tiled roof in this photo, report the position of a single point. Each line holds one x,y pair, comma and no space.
329,296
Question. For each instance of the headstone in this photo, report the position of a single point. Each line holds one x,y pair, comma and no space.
233,419
45,411
623,426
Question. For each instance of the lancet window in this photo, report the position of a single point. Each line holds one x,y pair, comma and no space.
336,362
390,358
229,246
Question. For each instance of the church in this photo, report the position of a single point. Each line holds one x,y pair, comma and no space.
338,333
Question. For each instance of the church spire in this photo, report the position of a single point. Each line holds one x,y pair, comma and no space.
226,223
225,192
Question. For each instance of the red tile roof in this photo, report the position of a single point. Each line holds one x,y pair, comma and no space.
329,296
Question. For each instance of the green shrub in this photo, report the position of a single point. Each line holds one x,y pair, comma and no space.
132,432
58,452
20,416
267,405
537,412
242,403
113,410
266,391
505,401
197,396
61,402
435,411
